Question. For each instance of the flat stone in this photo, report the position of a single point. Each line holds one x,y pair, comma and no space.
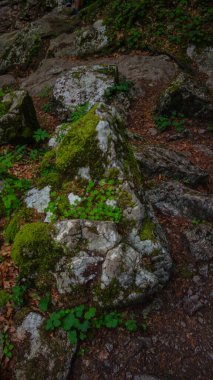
38,199
200,242
174,199
155,160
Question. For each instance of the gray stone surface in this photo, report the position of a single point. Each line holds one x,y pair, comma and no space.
84,41
138,69
200,242
40,352
83,84
38,199
19,121
204,60
156,160
172,198
186,96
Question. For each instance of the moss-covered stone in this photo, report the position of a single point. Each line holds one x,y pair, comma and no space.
107,297
4,297
34,249
18,219
79,147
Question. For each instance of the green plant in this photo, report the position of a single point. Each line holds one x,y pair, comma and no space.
176,120
18,292
7,345
40,135
13,189
77,322
45,92
4,297
44,302
47,107
95,204
79,112
116,88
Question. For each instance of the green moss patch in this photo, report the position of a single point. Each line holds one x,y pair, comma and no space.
148,230
79,147
34,249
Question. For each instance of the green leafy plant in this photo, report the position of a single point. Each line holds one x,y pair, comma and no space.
7,345
94,204
40,135
47,107
12,191
18,292
79,112
77,322
176,120
45,92
44,302
116,88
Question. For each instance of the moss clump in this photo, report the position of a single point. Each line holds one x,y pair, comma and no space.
18,219
4,298
148,230
34,249
79,147
50,179
48,161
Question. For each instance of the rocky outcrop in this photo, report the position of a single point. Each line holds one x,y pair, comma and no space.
188,97
204,60
85,41
88,84
154,160
18,119
200,242
174,199
41,355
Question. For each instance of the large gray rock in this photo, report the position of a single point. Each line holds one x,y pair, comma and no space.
20,48
40,354
172,198
154,160
200,242
84,84
19,121
138,69
38,199
186,96
204,60
87,40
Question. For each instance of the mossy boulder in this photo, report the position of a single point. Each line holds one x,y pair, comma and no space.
80,146
186,96
18,122
83,84
34,250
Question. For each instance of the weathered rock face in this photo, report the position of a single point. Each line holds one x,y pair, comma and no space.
88,40
200,242
20,49
87,84
137,69
19,121
172,198
39,354
204,60
155,160
186,96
